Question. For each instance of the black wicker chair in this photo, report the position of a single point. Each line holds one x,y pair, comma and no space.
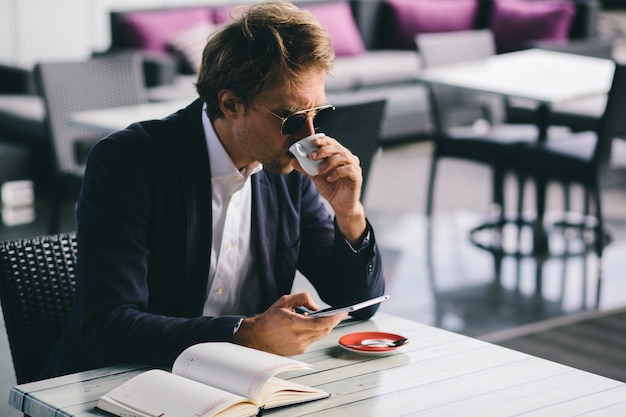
37,282
108,80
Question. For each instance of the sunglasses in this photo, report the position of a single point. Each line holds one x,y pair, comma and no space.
294,122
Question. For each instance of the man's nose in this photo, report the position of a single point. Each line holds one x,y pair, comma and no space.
308,128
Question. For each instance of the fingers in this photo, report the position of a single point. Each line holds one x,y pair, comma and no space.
339,164
282,331
335,155
292,301
342,171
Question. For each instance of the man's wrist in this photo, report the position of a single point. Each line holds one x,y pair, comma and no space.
365,242
242,333
238,325
353,230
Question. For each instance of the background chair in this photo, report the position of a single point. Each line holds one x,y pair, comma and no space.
103,81
582,157
454,106
357,123
471,125
37,281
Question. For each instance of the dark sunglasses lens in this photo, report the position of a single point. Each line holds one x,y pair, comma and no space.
293,123
322,116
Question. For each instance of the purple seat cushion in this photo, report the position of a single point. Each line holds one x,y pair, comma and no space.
222,14
337,19
189,43
151,30
411,17
517,22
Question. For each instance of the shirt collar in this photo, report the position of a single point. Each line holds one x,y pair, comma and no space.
220,161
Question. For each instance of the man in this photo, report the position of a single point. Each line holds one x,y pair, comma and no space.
191,228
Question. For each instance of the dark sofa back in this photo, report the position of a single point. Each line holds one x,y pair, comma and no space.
375,21
583,26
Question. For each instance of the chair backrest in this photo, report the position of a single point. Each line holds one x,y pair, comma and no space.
454,106
37,284
613,121
445,48
102,81
357,124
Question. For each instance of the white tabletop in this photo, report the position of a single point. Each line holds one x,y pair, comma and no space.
439,373
545,76
115,118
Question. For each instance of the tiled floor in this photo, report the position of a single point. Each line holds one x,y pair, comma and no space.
453,283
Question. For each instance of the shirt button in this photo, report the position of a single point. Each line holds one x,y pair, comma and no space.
219,290
228,245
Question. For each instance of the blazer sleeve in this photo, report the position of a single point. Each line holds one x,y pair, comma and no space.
339,273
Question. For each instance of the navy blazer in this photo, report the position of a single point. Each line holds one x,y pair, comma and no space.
144,244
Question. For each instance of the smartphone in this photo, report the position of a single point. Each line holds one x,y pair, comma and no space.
331,311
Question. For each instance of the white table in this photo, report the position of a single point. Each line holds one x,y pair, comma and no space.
438,373
546,77
114,118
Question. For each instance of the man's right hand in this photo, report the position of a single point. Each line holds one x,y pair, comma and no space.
282,331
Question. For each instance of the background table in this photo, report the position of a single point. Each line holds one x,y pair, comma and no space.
114,118
438,373
546,77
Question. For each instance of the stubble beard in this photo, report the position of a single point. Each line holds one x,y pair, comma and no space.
272,163
276,167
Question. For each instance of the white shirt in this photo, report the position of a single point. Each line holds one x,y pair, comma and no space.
233,286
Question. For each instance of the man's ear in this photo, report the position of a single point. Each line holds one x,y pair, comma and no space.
229,102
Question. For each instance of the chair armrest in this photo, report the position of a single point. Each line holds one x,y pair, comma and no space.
16,80
159,68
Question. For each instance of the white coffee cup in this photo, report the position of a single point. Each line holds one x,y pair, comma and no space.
302,151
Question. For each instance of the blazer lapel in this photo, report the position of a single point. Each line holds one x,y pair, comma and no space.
264,228
196,183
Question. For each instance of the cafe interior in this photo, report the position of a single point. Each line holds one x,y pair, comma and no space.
499,209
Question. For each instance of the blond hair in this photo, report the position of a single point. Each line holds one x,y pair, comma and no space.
270,42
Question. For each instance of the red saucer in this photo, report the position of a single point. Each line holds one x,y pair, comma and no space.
354,342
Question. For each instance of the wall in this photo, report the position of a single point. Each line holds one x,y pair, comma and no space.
34,30
6,30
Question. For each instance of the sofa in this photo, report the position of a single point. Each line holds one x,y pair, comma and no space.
373,41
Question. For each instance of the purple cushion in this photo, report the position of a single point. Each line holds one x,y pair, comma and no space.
337,19
190,43
411,17
152,30
222,14
516,22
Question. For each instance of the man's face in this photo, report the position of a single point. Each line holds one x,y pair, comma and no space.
259,133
